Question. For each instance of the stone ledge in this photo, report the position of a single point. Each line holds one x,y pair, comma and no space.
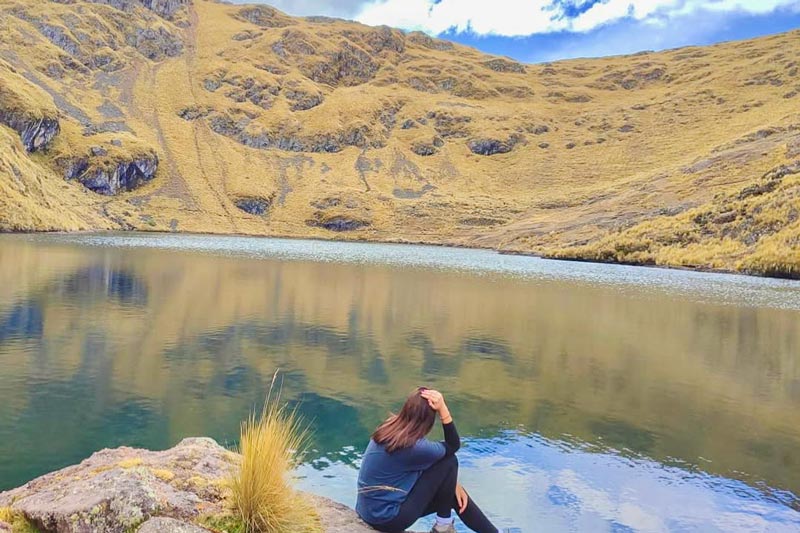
115,490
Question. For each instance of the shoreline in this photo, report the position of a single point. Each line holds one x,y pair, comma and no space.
332,239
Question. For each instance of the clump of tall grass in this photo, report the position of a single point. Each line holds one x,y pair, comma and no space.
262,496
18,523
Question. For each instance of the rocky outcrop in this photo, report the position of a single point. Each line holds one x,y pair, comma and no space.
337,222
129,490
35,133
427,148
504,65
114,491
242,130
254,205
263,16
164,8
155,43
425,40
348,66
110,177
489,146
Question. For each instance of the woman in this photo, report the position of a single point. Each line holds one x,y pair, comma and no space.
404,476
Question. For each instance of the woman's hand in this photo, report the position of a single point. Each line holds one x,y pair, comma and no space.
436,401
434,397
462,498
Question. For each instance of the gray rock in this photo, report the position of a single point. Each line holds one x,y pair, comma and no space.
127,489
423,39
504,65
338,223
303,101
126,176
423,149
338,518
264,16
165,8
116,490
237,129
109,180
489,146
347,66
35,132
169,525
155,44
254,205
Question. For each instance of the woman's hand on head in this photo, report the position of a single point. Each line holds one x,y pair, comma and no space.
434,397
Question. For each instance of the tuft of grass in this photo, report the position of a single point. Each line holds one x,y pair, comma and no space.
133,462
222,524
163,474
262,496
18,522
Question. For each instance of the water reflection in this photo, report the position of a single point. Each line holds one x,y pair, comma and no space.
563,486
102,346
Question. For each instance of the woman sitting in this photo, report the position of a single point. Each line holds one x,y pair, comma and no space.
404,476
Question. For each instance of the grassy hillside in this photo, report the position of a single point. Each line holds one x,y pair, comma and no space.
265,124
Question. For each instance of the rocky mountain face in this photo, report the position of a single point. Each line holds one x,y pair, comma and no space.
199,116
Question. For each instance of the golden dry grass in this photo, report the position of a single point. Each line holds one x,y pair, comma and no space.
17,522
602,145
262,495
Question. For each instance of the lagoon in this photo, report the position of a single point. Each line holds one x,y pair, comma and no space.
590,397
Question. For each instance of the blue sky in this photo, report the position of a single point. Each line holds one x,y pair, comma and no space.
545,30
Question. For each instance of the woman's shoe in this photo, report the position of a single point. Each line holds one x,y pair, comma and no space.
450,528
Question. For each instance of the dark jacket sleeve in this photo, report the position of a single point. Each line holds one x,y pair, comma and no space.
452,442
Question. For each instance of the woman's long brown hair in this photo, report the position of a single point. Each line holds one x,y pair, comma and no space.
403,430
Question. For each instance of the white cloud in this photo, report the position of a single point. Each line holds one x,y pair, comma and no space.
514,18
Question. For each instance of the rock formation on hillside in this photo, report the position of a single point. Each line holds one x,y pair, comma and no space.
200,116
126,490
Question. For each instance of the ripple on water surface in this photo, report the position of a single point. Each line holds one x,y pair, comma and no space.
557,486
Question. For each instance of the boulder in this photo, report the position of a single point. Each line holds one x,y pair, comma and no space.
127,489
423,149
489,146
114,491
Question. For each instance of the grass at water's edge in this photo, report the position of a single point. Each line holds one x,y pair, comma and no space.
262,499
755,268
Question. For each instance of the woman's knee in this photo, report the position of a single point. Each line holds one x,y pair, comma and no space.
450,465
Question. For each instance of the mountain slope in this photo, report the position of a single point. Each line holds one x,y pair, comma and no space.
207,117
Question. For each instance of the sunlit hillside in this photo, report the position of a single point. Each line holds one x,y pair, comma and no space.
198,116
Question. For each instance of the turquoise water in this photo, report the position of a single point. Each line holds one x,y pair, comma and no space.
591,397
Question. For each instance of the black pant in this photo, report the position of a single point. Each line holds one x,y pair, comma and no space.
435,492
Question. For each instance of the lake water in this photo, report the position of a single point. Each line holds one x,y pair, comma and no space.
590,397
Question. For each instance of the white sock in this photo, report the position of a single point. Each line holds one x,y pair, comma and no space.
444,521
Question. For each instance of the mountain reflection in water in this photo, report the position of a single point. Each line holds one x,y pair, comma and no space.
598,400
